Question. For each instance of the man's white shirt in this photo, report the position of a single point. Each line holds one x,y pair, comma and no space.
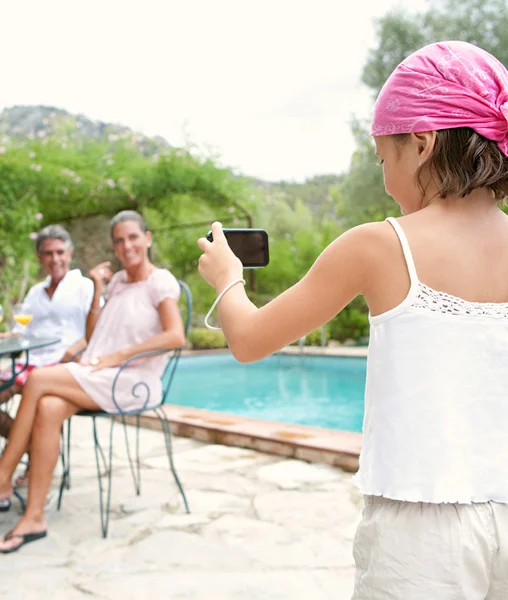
63,316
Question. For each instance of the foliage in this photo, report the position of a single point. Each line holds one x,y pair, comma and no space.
296,239
316,193
318,337
351,323
17,265
62,180
361,196
201,338
77,181
399,33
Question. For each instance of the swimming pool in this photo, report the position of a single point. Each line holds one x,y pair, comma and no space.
322,391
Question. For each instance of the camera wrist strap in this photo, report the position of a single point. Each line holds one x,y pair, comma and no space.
217,300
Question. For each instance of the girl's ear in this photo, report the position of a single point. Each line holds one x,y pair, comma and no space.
424,142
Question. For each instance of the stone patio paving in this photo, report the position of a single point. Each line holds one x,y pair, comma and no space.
262,527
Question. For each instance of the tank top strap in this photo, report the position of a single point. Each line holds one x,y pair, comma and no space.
405,249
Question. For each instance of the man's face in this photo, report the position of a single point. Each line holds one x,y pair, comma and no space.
55,258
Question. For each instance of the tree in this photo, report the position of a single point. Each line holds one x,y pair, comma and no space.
361,196
400,33
18,218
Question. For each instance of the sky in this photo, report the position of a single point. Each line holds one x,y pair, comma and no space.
267,86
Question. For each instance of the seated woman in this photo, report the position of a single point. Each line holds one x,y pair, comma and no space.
141,314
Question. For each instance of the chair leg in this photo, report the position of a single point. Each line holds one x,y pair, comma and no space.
104,505
105,467
68,476
161,415
138,460
65,482
135,469
21,500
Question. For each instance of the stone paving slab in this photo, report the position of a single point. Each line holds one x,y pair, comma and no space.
262,527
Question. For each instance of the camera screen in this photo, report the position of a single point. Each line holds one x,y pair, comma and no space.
251,247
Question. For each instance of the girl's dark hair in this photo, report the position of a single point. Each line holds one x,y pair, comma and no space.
127,215
462,161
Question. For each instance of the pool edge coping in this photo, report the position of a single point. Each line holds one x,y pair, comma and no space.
303,442
353,351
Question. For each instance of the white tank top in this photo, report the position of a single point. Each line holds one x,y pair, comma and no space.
436,400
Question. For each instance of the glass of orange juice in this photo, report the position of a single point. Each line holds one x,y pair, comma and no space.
22,314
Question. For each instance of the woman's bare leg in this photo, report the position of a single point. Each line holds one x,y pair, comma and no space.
45,381
51,413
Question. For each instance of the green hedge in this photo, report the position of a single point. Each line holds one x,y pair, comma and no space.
351,323
314,337
201,338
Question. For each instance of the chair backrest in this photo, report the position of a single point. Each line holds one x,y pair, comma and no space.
187,304
169,371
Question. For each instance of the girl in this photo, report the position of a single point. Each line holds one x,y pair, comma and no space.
141,314
433,467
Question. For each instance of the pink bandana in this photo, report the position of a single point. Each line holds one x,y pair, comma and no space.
443,86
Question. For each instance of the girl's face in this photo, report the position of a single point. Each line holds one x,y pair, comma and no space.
131,244
400,160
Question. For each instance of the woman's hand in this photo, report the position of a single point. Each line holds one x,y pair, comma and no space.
218,265
103,362
101,274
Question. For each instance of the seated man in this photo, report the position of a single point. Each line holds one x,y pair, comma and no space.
59,305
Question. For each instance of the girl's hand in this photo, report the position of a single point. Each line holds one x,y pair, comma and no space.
101,274
218,265
104,362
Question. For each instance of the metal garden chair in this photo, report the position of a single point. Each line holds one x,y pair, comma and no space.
104,467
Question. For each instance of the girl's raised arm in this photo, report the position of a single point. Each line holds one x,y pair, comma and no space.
340,273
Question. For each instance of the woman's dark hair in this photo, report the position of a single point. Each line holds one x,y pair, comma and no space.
127,215
462,161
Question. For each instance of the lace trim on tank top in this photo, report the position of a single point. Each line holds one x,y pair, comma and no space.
441,302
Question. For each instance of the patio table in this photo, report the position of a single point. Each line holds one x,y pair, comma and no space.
13,346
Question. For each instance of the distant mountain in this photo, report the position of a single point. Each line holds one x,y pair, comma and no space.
42,122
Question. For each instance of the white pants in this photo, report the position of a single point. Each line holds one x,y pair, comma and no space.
420,551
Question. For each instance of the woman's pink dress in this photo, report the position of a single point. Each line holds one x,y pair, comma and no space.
129,317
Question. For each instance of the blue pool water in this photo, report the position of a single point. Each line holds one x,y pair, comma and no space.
309,390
